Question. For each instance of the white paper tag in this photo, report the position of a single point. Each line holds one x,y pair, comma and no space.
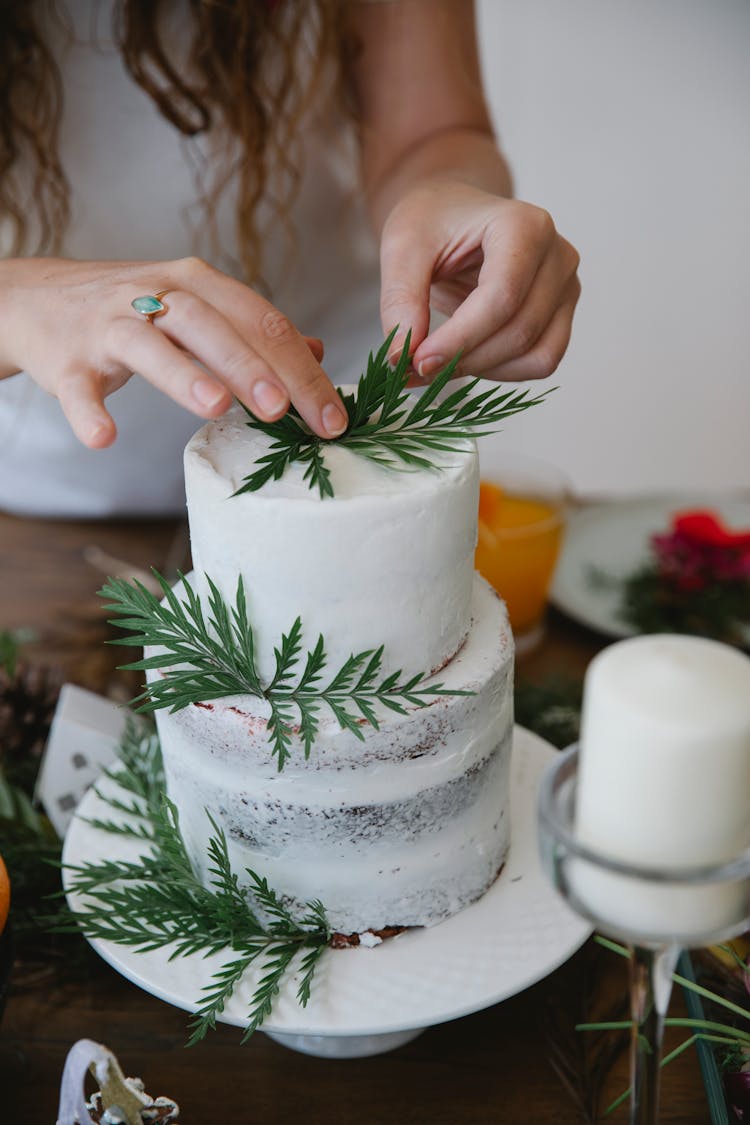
83,740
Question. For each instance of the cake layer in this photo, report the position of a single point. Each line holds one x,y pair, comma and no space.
403,828
388,560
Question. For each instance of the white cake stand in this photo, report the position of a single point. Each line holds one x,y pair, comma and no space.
367,1001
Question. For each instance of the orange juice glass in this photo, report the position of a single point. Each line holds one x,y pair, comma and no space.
521,524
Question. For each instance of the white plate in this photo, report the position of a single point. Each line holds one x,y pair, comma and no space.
517,933
615,538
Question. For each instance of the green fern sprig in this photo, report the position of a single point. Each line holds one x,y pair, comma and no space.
292,441
201,660
156,901
385,426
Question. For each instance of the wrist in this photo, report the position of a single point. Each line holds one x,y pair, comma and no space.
461,154
19,283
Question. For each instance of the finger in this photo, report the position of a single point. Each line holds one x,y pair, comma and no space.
81,397
508,272
306,383
277,341
316,347
543,359
515,339
141,347
405,279
202,330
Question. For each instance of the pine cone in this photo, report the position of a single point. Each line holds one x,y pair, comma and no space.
27,703
162,1111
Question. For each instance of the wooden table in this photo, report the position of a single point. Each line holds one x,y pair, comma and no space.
495,1066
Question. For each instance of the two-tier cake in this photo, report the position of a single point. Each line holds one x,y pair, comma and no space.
410,823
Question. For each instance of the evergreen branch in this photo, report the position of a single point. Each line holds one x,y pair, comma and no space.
135,832
386,426
278,959
287,655
134,808
139,767
281,731
156,901
202,660
9,650
16,807
317,473
308,965
217,995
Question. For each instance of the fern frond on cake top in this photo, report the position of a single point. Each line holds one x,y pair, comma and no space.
201,658
387,425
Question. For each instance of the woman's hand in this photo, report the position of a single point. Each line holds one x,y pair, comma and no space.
71,326
496,267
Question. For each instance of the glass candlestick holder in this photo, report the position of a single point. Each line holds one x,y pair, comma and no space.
655,911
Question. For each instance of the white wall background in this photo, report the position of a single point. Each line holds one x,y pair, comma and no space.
629,120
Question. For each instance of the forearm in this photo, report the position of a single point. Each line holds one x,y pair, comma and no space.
461,154
420,102
8,272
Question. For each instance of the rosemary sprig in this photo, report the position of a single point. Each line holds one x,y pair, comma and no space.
157,901
384,427
201,660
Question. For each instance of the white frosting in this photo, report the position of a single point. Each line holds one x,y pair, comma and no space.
401,829
388,560
410,823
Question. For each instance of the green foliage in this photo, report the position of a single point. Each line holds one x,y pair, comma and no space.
9,647
11,643
16,809
201,660
550,708
702,1030
384,427
652,604
156,901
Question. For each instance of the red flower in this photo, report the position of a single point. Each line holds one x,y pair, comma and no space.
703,528
700,550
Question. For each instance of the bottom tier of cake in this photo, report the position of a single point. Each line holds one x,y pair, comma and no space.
402,829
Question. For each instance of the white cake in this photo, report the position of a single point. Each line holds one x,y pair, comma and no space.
411,824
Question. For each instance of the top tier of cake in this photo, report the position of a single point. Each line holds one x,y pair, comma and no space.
388,560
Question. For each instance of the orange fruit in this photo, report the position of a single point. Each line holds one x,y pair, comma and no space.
4,894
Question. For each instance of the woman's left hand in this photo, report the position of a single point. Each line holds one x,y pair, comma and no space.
496,267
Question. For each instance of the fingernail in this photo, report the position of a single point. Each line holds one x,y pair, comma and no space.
99,430
208,394
269,397
335,420
397,347
430,366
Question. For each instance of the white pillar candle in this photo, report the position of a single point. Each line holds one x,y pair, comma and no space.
664,778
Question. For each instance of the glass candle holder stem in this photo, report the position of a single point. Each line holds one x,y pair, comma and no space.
650,989
655,910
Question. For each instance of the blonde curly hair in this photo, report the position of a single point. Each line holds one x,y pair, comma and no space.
243,73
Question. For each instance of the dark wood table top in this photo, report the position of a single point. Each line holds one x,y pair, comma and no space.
520,1061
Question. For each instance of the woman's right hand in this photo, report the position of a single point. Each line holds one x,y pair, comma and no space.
71,327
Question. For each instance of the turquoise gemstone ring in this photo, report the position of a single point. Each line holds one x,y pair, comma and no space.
150,305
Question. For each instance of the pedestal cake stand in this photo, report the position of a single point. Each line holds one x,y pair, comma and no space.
369,1000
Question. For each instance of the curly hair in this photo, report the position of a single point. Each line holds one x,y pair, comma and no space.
253,67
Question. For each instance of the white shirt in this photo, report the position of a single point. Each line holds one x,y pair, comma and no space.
134,197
